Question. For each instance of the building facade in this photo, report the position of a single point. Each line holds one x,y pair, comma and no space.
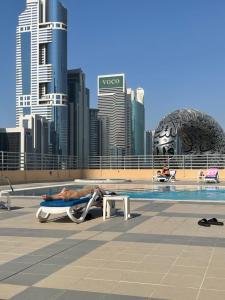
114,114
39,128
94,131
78,116
188,132
149,135
17,140
137,120
41,68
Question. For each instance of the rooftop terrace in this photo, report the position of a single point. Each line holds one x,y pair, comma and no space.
160,253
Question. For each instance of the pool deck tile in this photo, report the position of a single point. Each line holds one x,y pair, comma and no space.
160,253
7,291
39,294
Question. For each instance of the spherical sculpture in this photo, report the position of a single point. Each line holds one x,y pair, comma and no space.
188,131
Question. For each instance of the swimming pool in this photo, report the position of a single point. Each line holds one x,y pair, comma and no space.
173,193
181,194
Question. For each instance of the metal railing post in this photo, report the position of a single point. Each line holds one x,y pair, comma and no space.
23,164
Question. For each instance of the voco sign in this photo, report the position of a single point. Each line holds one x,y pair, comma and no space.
109,82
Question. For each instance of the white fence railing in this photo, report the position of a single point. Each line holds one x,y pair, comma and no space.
157,162
32,161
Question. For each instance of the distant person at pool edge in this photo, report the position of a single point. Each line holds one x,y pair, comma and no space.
166,171
66,194
201,176
159,173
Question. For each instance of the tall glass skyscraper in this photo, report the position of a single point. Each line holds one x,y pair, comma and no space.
137,120
94,132
114,114
41,67
78,97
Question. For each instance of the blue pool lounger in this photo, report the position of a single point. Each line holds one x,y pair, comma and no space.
53,207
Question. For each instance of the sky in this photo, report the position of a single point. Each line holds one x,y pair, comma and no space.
174,49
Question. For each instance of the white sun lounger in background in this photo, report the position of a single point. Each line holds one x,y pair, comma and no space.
161,178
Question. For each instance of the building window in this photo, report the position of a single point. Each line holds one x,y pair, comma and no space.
26,110
25,123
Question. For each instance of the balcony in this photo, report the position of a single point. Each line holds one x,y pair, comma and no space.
45,73
45,35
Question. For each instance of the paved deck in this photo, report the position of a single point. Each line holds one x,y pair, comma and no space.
161,253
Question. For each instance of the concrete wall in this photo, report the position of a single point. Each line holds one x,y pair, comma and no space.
40,176
143,174
61,175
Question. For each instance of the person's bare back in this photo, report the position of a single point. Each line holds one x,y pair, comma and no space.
67,194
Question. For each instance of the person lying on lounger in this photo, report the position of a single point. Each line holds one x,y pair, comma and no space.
166,171
67,194
160,176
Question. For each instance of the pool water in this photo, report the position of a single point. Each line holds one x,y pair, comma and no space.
182,193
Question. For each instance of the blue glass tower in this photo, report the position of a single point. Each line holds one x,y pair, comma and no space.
137,121
41,68
78,98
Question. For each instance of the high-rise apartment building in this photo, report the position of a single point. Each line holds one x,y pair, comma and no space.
78,97
17,140
114,113
137,120
149,134
94,131
39,128
41,67
16,143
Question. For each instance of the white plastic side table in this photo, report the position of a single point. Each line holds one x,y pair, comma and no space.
108,204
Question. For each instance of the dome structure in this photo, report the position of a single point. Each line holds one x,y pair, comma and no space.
188,131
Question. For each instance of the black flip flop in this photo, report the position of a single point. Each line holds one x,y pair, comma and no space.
203,222
214,221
